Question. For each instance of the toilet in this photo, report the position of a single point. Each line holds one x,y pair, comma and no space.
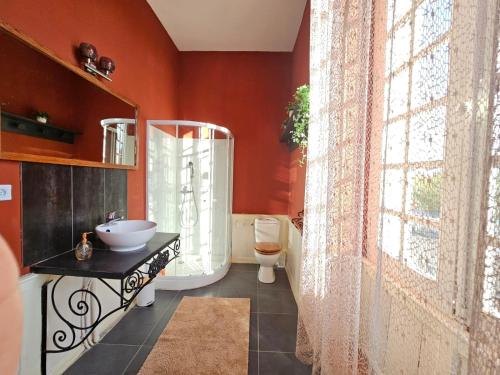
267,247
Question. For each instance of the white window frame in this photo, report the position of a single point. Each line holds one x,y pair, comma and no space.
463,166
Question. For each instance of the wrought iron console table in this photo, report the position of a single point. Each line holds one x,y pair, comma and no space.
134,270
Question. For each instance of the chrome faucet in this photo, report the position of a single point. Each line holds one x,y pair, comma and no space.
112,217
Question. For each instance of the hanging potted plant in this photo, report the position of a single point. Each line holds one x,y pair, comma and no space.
296,126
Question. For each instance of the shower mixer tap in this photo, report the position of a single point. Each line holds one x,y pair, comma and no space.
191,167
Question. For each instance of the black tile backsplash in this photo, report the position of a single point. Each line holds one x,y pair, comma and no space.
61,202
88,207
115,191
46,204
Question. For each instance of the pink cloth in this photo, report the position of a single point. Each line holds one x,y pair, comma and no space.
11,311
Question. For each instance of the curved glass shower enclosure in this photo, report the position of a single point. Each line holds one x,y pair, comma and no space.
189,191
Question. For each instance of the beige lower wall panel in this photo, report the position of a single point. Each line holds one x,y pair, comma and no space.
243,237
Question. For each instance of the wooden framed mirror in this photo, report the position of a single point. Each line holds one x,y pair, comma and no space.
88,124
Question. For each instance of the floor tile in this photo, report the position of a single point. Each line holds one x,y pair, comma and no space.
159,327
104,359
245,267
277,332
281,281
254,332
281,364
164,297
136,363
273,324
253,363
134,328
206,291
277,301
163,300
244,281
237,293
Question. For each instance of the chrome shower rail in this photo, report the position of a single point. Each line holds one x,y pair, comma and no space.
192,123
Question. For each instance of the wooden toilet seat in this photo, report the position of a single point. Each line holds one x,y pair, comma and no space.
267,248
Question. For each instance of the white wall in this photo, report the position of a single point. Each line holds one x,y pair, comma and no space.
30,286
293,258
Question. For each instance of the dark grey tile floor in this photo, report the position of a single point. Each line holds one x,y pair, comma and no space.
273,325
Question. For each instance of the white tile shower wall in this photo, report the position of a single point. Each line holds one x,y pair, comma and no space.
244,239
188,193
30,287
293,258
204,211
162,180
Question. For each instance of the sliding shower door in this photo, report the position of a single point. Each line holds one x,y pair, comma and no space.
189,168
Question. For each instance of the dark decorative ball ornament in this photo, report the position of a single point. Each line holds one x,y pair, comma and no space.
106,65
88,53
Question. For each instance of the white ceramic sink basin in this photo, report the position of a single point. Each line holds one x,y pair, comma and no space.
126,235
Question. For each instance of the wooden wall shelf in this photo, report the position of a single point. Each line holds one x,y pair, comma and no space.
26,126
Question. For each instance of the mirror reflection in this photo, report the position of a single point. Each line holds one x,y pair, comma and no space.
119,141
50,111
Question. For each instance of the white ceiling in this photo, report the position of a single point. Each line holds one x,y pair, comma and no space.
231,25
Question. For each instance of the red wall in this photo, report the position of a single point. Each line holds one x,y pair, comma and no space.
246,92
40,83
300,76
146,73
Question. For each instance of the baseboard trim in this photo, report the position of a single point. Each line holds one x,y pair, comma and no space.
243,260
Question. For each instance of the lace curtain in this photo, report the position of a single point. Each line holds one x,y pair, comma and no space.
400,269
333,232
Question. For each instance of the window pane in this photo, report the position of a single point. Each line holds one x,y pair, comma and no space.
491,294
424,193
390,13
402,7
495,149
394,133
393,189
420,249
493,227
430,77
432,19
427,131
391,235
400,48
398,101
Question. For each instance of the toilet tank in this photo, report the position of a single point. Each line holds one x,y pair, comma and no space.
267,229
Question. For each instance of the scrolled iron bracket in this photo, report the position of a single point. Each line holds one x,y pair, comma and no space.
71,335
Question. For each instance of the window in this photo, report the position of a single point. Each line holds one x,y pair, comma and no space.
433,124
415,115
491,287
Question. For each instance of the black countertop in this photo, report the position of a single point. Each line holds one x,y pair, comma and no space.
106,264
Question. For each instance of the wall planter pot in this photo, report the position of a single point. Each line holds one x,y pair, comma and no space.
286,135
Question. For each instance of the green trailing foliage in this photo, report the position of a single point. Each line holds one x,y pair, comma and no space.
298,114
426,195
